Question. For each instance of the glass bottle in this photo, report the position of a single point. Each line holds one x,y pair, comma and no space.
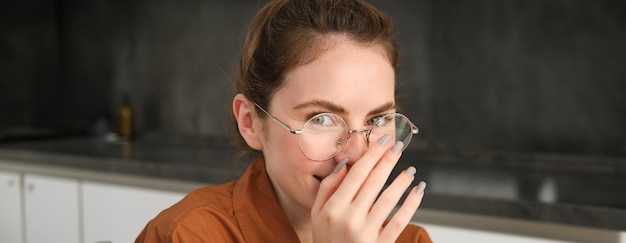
125,119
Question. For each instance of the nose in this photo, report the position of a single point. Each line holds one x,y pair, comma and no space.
356,145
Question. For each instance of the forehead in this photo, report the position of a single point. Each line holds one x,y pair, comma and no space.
356,76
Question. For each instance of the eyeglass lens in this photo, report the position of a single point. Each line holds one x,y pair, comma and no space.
325,135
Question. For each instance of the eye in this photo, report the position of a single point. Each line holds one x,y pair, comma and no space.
324,120
380,121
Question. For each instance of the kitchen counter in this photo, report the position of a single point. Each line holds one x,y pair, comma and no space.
569,190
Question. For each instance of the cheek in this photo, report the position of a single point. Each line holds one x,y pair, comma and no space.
286,163
282,154
281,145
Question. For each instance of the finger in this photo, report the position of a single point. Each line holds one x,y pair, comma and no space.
390,197
362,168
378,177
403,216
328,186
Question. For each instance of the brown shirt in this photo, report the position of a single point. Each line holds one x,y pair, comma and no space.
245,210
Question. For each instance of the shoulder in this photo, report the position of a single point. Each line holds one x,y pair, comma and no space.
206,212
209,199
414,233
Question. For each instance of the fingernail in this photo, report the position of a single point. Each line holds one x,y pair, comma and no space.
382,141
397,148
411,171
420,187
340,165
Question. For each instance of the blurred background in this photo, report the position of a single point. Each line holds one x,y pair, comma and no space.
475,76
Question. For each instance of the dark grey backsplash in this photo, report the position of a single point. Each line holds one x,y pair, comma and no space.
520,76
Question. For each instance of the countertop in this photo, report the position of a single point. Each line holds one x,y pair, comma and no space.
588,191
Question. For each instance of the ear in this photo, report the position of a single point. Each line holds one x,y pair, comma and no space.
248,124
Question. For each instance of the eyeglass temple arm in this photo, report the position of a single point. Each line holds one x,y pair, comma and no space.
291,130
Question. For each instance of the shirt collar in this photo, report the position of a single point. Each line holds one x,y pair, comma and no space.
256,207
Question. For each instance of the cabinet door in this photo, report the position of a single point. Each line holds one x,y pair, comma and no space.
439,233
51,209
115,213
10,207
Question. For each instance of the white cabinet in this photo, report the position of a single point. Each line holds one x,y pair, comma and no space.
443,226
42,208
10,207
51,209
116,213
439,233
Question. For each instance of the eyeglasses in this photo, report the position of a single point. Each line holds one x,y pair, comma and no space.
324,135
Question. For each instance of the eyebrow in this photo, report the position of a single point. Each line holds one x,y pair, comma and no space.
334,108
382,109
323,104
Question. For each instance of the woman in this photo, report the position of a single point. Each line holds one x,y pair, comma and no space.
316,97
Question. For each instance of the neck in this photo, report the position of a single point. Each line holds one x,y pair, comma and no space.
301,223
298,216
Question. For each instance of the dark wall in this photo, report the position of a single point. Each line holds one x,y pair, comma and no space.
28,61
176,61
522,75
528,76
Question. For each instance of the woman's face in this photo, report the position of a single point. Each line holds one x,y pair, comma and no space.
352,80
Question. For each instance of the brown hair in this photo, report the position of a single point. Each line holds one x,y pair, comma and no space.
288,33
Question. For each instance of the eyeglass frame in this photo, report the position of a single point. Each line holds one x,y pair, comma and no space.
414,131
